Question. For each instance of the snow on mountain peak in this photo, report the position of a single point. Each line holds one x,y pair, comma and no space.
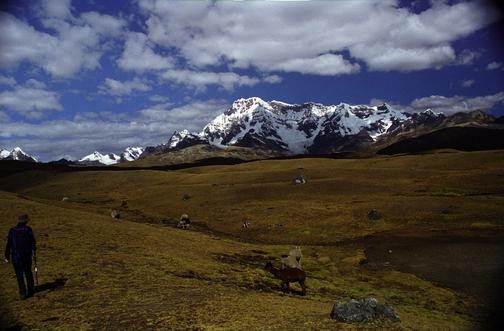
96,156
16,154
177,137
132,153
294,127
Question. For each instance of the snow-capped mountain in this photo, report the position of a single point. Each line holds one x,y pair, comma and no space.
131,153
299,128
99,158
4,153
16,154
184,139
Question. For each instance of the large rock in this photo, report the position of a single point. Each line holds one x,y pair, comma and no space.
362,310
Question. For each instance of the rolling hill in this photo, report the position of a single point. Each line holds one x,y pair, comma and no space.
142,272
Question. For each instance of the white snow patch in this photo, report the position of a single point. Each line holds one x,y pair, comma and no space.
107,159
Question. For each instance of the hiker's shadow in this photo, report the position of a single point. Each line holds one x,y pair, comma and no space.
58,283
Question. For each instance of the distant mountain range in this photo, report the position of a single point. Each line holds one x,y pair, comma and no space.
16,154
287,129
95,158
312,128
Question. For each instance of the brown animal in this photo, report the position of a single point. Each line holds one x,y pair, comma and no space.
288,275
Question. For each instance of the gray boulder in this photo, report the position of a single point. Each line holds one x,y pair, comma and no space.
362,310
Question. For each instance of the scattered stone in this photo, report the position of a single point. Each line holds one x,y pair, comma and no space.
374,215
124,204
65,199
186,197
363,310
115,214
299,180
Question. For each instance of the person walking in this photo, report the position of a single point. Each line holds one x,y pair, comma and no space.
20,246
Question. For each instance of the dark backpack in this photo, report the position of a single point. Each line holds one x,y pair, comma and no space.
22,240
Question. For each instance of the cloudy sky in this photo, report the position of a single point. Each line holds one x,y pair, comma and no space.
78,76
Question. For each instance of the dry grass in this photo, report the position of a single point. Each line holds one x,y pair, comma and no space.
131,275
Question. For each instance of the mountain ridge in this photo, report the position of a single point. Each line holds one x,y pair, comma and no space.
307,128
16,154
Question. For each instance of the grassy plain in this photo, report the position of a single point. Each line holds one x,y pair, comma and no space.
143,273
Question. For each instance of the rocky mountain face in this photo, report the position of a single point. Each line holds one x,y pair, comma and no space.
16,154
178,141
97,158
131,154
308,128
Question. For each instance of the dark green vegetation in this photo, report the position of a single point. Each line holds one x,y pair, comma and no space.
141,272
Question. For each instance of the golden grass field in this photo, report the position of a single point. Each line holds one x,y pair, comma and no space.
141,272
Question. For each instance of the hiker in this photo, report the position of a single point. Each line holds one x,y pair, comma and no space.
19,248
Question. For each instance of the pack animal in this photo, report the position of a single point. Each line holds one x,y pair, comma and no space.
184,222
293,259
287,276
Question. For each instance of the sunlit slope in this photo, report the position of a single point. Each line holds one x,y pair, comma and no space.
129,276
424,192
199,152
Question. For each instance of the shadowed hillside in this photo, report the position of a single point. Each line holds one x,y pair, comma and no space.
460,138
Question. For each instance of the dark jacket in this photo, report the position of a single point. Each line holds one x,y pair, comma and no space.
20,242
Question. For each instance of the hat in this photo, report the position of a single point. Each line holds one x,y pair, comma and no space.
23,218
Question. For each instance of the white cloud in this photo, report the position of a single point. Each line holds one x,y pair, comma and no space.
71,44
4,80
192,116
467,83
4,118
200,79
56,8
272,79
109,132
327,36
386,58
30,100
125,88
139,56
467,57
104,24
494,65
451,105
325,65
376,102
159,98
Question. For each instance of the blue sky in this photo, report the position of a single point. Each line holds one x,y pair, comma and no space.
79,76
